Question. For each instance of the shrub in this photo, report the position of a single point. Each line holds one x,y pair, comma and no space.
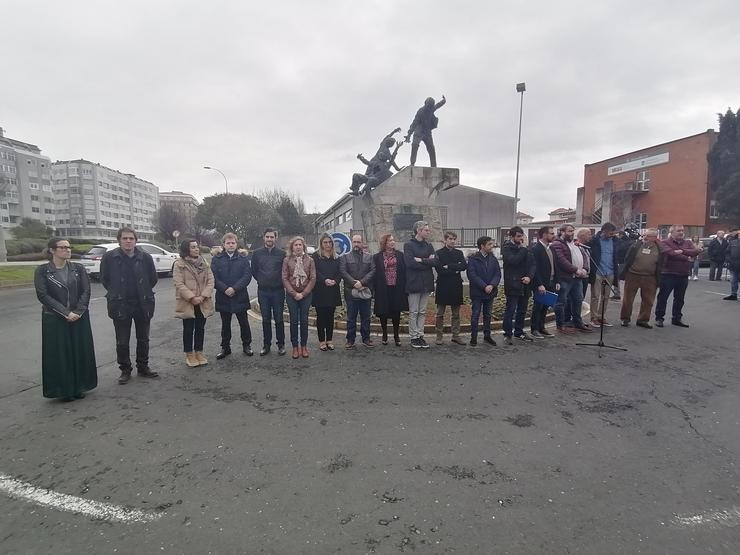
26,257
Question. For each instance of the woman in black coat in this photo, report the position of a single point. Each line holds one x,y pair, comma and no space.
390,287
326,296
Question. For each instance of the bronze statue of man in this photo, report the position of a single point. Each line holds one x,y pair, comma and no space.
378,167
424,122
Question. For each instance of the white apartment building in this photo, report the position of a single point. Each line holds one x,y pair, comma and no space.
25,183
94,202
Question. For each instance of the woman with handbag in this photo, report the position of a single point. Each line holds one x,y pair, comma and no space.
390,287
68,366
299,278
326,296
193,282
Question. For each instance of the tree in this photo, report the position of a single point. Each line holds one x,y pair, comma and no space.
244,215
168,219
289,208
724,167
32,229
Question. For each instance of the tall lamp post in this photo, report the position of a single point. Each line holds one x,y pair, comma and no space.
520,88
226,181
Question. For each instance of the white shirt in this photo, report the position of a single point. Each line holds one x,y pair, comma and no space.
575,255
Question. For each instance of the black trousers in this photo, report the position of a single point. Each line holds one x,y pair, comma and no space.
396,321
123,338
325,322
193,332
244,329
539,313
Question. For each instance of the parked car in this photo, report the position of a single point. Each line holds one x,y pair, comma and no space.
163,260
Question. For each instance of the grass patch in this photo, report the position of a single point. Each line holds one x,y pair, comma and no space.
16,275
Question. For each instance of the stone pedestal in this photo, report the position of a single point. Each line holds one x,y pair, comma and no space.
402,199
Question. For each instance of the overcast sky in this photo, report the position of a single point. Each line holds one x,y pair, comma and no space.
287,93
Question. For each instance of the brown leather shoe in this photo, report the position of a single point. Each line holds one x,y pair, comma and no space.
191,360
202,360
125,377
304,351
296,352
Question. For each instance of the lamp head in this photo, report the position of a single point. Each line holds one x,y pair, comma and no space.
521,87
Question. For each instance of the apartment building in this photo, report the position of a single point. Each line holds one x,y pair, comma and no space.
25,183
184,203
93,201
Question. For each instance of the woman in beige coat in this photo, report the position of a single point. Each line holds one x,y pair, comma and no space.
193,281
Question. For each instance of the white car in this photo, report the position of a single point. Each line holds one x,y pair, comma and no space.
163,260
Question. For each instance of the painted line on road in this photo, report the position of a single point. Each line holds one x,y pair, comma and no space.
715,293
711,519
70,503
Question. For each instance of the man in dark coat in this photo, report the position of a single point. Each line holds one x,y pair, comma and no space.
544,279
420,258
716,252
129,276
484,275
267,269
357,269
232,275
449,291
519,269
732,256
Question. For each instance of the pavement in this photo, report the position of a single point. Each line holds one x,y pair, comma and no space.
535,448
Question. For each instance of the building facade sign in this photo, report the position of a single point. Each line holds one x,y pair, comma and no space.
639,163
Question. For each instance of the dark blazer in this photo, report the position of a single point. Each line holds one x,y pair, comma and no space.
732,253
419,275
113,277
323,294
717,250
629,259
543,268
233,272
449,290
356,266
387,301
55,296
595,245
483,271
518,263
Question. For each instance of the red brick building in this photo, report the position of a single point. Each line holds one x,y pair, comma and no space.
652,187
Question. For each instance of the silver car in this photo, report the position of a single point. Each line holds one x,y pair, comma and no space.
163,259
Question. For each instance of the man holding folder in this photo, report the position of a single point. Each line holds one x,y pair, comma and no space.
543,282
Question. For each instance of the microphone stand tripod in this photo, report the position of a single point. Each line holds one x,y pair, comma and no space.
604,284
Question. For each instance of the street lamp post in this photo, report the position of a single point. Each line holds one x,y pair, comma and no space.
226,181
520,88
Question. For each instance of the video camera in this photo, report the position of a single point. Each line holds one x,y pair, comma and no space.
632,232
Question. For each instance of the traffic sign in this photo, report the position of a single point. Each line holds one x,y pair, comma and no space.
342,243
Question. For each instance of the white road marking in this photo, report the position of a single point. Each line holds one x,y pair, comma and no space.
70,503
715,293
711,519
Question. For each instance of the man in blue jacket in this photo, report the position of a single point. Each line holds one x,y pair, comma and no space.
232,275
267,269
604,254
484,275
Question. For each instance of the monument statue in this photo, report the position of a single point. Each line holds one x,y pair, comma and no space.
378,167
424,122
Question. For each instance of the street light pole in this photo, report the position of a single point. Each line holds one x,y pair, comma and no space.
226,181
520,88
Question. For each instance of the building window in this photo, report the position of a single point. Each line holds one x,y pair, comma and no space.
35,209
640,220
713,210
35,198
48,211
642,180
34,186
443,216
46,187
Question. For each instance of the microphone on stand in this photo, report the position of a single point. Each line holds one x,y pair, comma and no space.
577,243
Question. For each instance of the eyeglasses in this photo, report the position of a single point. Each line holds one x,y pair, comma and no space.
65,248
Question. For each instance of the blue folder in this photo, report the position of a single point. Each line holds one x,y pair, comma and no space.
547,298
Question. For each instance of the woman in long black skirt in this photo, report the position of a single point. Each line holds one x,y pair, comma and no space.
68,354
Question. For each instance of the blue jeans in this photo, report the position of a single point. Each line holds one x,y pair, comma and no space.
677,285
271,303
516,309
355,307
570,296
484,305
298,311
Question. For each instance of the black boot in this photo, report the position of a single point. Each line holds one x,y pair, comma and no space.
248,350
225,351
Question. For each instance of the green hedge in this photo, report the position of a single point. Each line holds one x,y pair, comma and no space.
25,246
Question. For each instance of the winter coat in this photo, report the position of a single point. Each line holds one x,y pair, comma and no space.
518,263
419,275
188,284
325,295
595,252
267,267
483,271
629,259
385,303
564,268
288,270
717,250
235,272
356,266
113,277
55,296
732,253
623,245
449,290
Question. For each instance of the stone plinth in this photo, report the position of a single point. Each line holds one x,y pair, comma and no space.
402,199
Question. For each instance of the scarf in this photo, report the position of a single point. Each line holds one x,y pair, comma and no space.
299,273
198,265
390,264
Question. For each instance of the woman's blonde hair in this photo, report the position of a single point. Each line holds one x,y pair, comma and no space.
293,241
321,247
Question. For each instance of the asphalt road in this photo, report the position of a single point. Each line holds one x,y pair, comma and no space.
541,448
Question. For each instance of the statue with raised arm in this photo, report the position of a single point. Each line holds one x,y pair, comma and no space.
424,122
378,167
